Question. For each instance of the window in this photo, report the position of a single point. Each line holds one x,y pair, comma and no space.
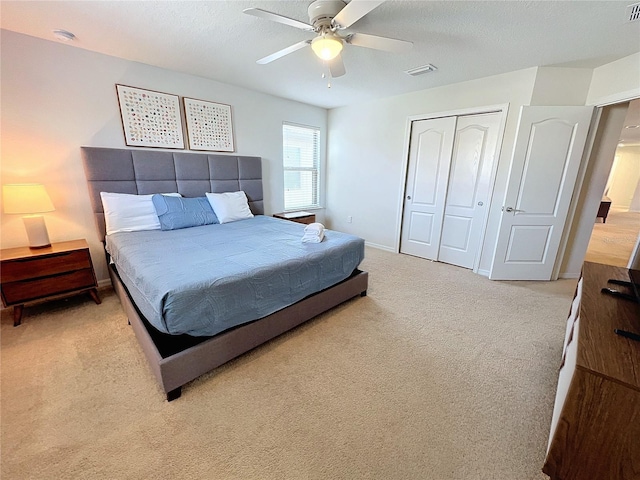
301,158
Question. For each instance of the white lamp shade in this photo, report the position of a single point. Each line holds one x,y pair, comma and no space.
26,198
327,47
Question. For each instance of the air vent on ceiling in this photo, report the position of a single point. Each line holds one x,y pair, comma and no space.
64,35
633,12
414,72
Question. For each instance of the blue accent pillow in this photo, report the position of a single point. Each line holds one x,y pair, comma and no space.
181,212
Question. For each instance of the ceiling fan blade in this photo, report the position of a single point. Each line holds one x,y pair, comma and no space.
354,11
379,43
336,67
283,52
274,17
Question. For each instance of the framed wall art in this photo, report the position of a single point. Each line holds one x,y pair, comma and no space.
209,125
150,119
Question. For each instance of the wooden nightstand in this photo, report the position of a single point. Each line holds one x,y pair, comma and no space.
36,273
299,217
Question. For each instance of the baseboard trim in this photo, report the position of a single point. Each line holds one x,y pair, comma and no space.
105,282
565,276
380,247
484,273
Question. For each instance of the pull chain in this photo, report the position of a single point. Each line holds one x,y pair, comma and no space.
328,77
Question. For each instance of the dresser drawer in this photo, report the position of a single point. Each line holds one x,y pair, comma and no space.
27,268
306,220
25,290
565,376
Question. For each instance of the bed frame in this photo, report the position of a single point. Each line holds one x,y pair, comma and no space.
178,359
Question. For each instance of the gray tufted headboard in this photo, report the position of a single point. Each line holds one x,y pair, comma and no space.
190,174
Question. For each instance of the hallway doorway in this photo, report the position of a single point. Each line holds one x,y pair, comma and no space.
613,240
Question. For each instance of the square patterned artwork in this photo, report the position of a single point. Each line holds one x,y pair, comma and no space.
209,125
150,119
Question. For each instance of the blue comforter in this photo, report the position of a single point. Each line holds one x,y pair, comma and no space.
204,280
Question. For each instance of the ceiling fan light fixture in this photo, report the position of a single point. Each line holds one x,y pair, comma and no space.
327,47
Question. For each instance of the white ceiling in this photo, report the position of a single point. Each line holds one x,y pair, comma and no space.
214,39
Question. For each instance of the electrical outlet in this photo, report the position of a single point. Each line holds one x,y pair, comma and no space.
349,219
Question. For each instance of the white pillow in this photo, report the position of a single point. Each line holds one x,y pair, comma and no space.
230,206
130,213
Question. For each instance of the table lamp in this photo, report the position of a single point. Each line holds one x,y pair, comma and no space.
30,199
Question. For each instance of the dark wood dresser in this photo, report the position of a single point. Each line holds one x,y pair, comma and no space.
29,274
595,429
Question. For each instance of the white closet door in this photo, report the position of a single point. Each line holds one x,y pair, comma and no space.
467,201
429,160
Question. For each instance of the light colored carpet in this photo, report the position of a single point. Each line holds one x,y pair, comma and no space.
612,242
437,374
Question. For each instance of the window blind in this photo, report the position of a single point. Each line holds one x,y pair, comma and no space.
301,159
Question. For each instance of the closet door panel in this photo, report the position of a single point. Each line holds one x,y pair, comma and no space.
429,160
467,199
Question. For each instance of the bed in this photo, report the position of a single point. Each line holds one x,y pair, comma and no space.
177,353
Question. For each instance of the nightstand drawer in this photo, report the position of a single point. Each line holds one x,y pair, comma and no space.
305,220
23,291
22,269
28,274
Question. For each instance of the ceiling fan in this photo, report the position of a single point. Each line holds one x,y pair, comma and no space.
328,19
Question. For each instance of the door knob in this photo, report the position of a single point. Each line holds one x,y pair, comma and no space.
511,209
408,197
480,204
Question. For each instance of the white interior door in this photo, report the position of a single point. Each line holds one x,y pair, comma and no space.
467,201
546,158
430,151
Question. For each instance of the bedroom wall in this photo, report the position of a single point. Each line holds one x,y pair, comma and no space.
365,158
366,145
615,81
561,86
57,98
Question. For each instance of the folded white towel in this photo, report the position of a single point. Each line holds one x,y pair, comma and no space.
313,233
314,227
312,237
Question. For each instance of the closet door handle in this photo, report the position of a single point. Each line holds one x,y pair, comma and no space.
408,197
